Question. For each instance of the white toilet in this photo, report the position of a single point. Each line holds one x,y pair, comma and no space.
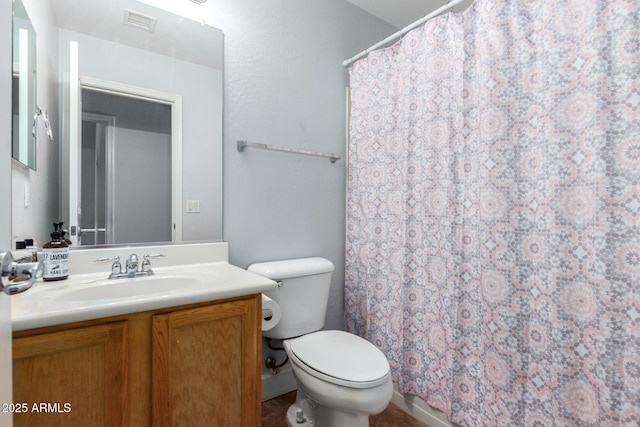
342,378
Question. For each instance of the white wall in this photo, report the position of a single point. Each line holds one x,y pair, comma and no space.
5,214
5,123
36,220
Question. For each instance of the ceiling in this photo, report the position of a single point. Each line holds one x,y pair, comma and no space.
104,19
401,13
174,36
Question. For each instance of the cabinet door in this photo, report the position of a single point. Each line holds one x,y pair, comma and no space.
206,366
76,377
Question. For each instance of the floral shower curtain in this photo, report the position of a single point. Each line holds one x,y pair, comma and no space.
493,226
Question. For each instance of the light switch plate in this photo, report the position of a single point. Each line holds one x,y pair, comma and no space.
193,206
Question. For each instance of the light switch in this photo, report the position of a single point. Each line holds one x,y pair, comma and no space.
193,206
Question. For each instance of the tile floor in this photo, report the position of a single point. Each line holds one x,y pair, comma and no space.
274,410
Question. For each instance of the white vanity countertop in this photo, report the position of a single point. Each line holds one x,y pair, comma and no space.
90,295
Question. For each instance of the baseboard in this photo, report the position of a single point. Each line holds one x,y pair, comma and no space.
420,410
277,385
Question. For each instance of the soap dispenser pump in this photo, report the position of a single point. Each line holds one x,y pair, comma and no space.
55,256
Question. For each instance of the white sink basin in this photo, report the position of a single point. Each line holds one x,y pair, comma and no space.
139,287
92,296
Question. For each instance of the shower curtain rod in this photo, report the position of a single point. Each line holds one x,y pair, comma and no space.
403,31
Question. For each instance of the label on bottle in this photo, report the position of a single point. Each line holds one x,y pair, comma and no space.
55,262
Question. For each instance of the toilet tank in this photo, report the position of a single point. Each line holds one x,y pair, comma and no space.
302,294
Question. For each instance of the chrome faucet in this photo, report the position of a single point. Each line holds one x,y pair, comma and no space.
146,264
131,266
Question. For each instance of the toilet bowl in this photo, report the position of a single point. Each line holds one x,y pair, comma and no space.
341,378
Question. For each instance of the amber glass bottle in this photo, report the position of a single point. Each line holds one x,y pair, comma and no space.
55,256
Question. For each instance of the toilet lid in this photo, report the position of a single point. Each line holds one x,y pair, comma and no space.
341,355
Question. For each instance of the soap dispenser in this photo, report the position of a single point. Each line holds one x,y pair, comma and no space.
65,233
55,256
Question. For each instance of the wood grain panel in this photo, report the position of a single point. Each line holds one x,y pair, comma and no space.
73,377
200,361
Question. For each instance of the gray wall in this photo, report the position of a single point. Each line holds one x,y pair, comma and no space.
285,85
142,203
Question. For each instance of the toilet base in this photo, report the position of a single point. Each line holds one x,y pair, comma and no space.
317,415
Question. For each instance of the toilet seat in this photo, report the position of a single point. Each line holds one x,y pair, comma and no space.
340,358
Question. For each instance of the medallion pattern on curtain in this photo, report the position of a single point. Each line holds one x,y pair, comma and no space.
493,225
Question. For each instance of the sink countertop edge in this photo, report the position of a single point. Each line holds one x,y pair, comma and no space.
236,282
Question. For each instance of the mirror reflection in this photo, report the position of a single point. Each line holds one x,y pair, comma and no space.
117,132
139,123
24,86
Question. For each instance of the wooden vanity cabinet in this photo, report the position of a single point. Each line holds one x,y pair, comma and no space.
193,365
204,366
75,377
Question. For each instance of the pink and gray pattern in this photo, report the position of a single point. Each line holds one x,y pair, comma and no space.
493,230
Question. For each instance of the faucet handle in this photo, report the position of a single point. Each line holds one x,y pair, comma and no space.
105,259
116,267
116,262
146,263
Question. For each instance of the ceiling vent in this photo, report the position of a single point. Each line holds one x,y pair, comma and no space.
139,21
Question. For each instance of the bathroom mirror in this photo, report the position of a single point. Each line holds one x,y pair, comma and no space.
135,50
23,91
